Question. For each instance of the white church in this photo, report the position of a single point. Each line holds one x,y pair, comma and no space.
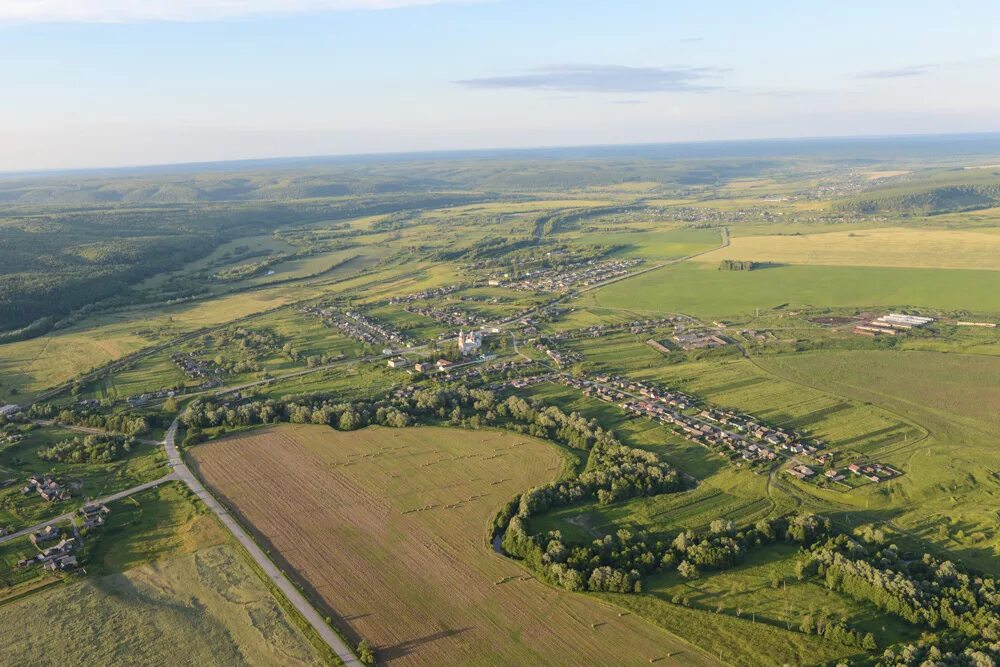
469,344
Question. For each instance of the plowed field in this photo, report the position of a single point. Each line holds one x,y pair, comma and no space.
386,528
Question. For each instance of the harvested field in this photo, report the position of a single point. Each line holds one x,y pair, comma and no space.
897,247
386,527
206,608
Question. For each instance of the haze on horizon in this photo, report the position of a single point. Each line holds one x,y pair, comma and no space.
126,82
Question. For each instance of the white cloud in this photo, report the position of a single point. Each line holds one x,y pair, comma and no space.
136,11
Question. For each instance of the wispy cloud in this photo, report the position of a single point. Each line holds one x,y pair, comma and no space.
628,101
605,79
898,73
137,11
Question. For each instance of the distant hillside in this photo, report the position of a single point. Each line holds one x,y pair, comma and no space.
54,262
942,192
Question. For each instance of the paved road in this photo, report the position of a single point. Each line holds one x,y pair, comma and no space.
299,601
106,499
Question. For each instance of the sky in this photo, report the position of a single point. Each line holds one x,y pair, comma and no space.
90,83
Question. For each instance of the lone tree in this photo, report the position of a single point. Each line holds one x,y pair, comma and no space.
365,652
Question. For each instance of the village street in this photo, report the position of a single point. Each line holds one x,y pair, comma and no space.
99,501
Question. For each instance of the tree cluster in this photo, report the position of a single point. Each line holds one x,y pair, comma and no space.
737,265
921,589
128,423
622,559
88,449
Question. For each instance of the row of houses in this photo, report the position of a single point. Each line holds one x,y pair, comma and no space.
194,368
425,295
58,557
565,278
358,326
559,357
481,371
61,556
11,438
635,327
139,400
93,515
9,410
452,316
740,434
873,472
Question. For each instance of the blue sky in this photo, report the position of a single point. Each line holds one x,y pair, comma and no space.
117,82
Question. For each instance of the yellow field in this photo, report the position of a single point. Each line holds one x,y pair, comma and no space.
894,247
206,608
387,527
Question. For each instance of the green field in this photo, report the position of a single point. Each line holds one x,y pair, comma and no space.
705,291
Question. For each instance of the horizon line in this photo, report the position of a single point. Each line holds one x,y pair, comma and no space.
374,156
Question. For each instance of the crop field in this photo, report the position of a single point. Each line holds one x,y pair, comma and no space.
702,290
402,559
895,247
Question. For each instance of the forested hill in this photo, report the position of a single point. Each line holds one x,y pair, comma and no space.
54,262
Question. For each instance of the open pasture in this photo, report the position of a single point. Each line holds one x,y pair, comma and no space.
951,486
387,529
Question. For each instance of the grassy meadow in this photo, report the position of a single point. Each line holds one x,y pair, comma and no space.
163,580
